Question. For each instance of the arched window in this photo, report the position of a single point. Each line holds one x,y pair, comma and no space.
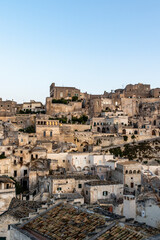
134,171
138,171
130,171
98,129
126,171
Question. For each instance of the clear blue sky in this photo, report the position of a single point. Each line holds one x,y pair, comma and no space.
94,45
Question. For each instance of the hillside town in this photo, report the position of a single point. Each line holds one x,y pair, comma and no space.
81,166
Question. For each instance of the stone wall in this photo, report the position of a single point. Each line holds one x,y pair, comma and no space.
54,109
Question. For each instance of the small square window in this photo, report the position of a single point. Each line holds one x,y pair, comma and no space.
105,193
79,185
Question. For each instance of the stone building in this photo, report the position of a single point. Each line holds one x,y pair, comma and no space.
86,161
63,92
32,106
47,129
138,90
148,210
7,192
17,210
1,130
111,123
63,183
8,107
128,173
98,190
27,139
155,93
129,206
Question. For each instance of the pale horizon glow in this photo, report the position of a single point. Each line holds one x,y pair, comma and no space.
93,45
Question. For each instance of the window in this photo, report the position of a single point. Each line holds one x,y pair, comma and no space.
21,151
86,192
79,185
15,173
21,159
105,193
63,160
44,133
25,172
36,156
15,162
59,189
51,134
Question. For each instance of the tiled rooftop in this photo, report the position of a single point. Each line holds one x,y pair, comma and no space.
67,222
97,183
118,232
128,163
68,195
20,208
6,179
64,222
77,177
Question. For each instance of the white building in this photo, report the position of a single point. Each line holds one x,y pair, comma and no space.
98,190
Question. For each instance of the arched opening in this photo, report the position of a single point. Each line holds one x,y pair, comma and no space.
135,132
98,129
86,168
124,131
107,130
126,171
134,171
153,133
103,130
85,146
78,169
138,171
130,171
